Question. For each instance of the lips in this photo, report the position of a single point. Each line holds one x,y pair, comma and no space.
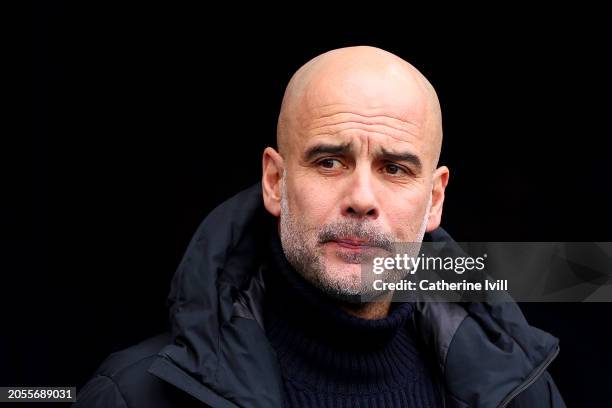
349,243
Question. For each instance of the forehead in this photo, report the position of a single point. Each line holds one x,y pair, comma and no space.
368,124
365,132
387,102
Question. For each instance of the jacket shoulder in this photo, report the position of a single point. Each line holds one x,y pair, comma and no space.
122,380
120,362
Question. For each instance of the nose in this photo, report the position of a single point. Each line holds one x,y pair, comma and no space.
360,199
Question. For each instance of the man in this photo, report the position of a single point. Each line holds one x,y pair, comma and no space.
265,305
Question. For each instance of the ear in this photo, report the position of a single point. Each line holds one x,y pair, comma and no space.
273,166
440,180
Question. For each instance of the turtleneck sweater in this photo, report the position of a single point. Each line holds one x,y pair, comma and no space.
329,358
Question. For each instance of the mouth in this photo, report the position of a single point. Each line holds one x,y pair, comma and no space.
354,244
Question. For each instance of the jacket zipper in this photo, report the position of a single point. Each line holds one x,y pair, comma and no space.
530,380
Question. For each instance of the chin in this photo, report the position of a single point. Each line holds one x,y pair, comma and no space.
343,270
345,276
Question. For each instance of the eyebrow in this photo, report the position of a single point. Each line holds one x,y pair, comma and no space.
324,148
345,148
402,157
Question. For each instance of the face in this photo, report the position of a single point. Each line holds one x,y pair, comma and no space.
354,180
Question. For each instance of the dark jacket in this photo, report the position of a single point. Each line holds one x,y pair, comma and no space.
218,353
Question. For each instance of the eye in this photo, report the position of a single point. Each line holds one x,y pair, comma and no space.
394,169
330,163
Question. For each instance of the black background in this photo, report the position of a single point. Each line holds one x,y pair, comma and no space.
143,119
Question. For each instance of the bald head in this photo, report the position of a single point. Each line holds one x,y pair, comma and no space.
364,79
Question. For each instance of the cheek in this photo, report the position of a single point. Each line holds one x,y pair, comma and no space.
311,203
406,216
